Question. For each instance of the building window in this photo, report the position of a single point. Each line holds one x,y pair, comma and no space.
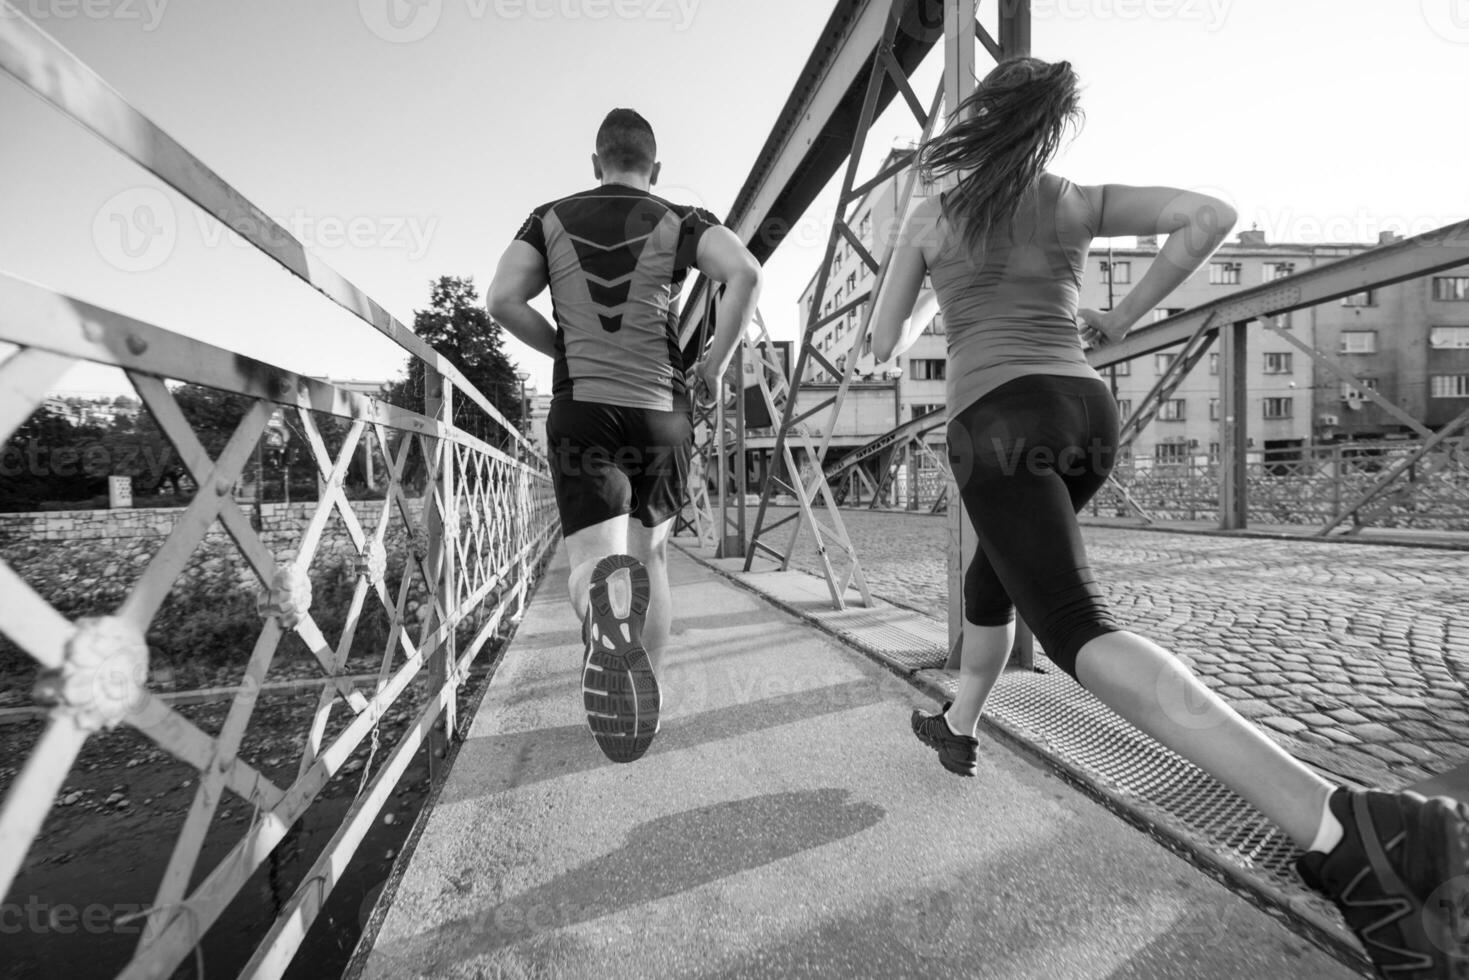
1172,410
1279,408
836,260
936,325
1162,362
919,411
1358,342
864,230
1450,386
1214,362
1164,312
1122,369
926,369
867,345
1171,452
1224,273
1449,338
1367,297
851,282
1351,393
1124,408
1213,409
1452,288
1213,452
1277,363
1117,273
1279,270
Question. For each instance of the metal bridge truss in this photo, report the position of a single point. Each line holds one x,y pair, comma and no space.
909,442
1226,321
486,523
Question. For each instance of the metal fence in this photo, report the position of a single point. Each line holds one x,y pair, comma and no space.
1309,485
487,522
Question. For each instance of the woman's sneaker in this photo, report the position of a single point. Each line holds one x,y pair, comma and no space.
1400,877
957,753
618,687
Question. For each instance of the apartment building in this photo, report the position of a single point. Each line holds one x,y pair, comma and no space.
1409,342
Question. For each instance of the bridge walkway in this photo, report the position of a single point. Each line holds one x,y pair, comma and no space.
785,823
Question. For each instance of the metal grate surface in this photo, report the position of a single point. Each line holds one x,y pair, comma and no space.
902,638
1158,789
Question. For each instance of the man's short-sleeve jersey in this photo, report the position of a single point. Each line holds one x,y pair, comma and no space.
616,258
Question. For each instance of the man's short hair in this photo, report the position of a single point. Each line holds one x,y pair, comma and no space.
625,143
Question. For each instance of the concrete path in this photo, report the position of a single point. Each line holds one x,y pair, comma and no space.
785,824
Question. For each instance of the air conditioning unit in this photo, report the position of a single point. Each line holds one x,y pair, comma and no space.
1329,420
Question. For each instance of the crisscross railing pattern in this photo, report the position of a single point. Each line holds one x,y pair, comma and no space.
486,521
479,520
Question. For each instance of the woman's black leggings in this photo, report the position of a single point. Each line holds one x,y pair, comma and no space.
1026,457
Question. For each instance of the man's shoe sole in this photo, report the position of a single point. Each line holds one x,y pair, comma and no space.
619,689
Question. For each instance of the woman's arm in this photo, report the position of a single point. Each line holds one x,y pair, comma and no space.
895,322
1196,224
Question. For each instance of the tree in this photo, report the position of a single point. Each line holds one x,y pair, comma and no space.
460,328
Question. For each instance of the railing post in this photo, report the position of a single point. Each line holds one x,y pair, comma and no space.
1234,504
442,525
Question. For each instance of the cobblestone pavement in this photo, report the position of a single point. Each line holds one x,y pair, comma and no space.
1356,657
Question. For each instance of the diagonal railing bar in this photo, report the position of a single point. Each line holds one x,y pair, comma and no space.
1396,472
171,942
208,793
170,419
31,623
487,555
275,952
25,378
168,561
333,499
36,317
38,62
29,799
1334,366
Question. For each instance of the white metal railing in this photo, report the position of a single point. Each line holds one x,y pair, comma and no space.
486,524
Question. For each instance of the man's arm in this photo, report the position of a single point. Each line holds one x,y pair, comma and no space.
519,278
723,258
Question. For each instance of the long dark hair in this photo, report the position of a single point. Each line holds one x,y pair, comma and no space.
1003,135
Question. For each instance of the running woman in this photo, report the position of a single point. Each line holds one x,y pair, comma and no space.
620,432
1032,434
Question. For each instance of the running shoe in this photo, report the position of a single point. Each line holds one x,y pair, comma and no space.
618,687
957,753
1400,877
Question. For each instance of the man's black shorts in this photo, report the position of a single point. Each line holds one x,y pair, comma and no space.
608,460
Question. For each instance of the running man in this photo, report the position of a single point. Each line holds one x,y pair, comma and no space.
1033,433
620,432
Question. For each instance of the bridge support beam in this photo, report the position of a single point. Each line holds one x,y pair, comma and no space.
1234,402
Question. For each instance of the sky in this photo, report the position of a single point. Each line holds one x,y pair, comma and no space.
403,140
